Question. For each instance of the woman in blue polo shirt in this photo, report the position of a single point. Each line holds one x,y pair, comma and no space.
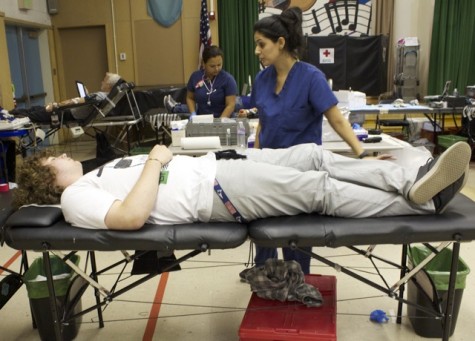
210,90
291,97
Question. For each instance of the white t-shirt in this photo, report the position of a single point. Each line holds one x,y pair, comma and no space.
187,195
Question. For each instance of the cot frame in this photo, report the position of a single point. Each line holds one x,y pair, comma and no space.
455,226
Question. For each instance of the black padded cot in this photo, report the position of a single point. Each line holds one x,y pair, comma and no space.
44,229
454,226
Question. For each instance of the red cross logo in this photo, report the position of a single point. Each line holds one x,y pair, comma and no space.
326,53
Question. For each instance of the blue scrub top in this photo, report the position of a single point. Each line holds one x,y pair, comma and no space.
294,116
223,85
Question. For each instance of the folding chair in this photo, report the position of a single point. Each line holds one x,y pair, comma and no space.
127,115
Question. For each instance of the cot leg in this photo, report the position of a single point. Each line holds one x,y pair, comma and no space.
24,261
128,141
52,295
96,291
447,322
401,288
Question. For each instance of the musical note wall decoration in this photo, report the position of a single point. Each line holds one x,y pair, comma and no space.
316,29
326,17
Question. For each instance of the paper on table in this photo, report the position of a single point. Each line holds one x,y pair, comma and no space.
201,142
203,119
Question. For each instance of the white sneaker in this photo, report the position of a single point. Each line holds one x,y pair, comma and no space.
448,169
172,101
165,103
169,103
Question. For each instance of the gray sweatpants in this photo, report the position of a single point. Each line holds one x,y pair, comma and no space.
306,178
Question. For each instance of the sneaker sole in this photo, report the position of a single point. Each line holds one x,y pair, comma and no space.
465,178
450,166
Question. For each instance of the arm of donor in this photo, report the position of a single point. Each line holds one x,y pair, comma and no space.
134,210
77,100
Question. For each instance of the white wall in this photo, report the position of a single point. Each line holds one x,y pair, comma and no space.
46,66
414,19
411,19
38,14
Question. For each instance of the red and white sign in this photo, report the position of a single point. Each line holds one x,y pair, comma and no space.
327,56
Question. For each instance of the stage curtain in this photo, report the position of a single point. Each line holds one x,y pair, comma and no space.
452,53
236,19
383,24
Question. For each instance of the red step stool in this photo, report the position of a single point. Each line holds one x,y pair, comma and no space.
274,320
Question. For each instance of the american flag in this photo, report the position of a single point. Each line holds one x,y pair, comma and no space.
205,32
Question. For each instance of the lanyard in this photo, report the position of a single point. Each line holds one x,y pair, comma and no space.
227,203
210,90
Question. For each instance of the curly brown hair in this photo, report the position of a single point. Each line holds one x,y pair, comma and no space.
36,182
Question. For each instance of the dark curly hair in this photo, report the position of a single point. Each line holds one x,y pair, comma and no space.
287,25
36,182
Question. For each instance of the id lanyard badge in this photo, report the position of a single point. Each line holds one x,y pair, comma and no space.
163,177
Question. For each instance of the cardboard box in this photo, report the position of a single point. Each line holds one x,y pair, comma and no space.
350,99
415,127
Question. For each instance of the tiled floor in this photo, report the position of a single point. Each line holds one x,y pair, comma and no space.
206,300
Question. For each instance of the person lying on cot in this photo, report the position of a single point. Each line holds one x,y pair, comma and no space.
160,188
40,114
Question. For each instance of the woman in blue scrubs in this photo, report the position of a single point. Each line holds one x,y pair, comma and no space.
291,97
210,90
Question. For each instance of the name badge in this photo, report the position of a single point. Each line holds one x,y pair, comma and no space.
163,177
